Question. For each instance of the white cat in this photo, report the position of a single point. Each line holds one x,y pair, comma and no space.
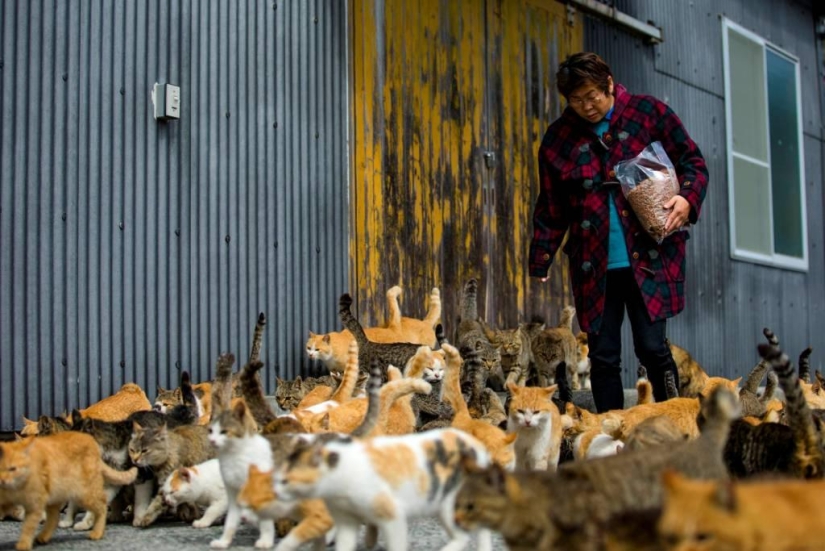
202,486
385,481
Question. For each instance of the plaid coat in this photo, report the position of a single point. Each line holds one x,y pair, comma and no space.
574,167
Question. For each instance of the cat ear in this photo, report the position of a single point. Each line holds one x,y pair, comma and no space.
736,382
239,410
496,477
726,495
513,388
297,380
18,437
160,390
327,338
393,373
325,421
185,474
76,417
550,390
136,427
312,335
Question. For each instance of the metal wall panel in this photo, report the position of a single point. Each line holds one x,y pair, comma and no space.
728,302
130,248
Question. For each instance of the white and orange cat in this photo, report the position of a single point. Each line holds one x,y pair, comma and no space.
385,482
331,348
537,422
202,486
42,474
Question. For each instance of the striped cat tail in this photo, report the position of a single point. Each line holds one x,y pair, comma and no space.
469,301
671,388
758,372
253,394
805,365
222,387
451,386
373,401
349,378
349,321
257,338
434,309
566,319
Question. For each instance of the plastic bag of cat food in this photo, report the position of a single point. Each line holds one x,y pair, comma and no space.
648,182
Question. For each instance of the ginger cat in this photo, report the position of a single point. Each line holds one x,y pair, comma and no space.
537,422
692,377
314,520
331,348
117,407
498,443
770,515
44,473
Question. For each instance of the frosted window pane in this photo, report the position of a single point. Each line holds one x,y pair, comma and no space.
747,97
752,207
785,172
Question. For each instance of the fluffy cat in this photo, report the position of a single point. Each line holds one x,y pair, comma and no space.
754,516
514,347
692,378
385,481
537,422
555,345
314,520
331,348
201,486
44,473
498,443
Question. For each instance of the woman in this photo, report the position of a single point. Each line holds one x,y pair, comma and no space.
614,264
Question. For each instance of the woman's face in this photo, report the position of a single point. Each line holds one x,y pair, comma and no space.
590,102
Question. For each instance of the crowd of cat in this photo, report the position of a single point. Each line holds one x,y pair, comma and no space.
407,425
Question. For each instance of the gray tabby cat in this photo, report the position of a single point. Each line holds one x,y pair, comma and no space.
515,348
288,394
752,403
470,336
555,345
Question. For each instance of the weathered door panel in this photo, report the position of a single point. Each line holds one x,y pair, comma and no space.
437,84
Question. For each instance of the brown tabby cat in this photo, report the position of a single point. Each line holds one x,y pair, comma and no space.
44,473
514,346
163,451
497,442
302,393
555,345
692,378
331,348
758,516
470,336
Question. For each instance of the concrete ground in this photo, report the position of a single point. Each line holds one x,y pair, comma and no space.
424,535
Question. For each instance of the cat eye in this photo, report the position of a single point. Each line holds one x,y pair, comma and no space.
223,431
522,412
12,469
702,536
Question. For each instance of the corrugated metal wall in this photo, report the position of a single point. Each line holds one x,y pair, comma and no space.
728,302
130,247
437,85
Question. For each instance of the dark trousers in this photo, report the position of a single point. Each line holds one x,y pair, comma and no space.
606,345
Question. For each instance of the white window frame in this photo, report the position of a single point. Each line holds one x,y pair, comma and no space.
775,260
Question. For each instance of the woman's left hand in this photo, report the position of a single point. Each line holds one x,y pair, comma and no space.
679,215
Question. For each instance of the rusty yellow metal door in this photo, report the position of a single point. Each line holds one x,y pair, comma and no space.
450,101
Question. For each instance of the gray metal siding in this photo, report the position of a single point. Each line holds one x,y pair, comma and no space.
128,247
728,302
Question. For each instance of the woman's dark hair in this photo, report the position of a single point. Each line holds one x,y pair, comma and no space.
579,69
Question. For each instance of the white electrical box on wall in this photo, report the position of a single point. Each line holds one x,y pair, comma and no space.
166,98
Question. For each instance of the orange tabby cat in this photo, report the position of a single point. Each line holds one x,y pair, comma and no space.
537,422
314,520
332,347
44,473
497,442
771,515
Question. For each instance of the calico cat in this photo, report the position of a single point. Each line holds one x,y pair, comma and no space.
692,378
331,348
44,473
514,347
164,450
595,492
537,422
200,485
397,353
795,449
470,336
314,520
583,359
554,345
498,443
384,481
782,515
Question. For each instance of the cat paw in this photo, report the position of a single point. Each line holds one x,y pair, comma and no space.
219,544
83,525
141,522
65,523
200,523
23,546
264,543
41,539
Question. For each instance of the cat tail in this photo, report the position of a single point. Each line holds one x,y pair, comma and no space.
671,388
758,372
373,400
451,385
488,331
567,315
185,413
434,309
440,337
257,338
394,319
808,454
644,390
469,301
613,427
253,394
349,321
565,392
770,388
350,376
805,365
222,387
114,477
392,391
